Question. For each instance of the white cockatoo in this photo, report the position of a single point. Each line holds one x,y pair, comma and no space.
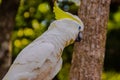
41,59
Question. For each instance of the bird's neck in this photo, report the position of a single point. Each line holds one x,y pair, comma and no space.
59,38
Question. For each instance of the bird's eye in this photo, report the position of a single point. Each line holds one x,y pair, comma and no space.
79,27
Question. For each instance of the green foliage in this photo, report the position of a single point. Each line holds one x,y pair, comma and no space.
64,73
114,21
110,75
32,20
112,48
0,1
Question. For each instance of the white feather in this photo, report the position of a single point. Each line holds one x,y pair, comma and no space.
30,58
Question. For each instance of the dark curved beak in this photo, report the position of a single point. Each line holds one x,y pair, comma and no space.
79,37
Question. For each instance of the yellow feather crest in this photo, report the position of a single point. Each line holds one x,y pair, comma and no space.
60,14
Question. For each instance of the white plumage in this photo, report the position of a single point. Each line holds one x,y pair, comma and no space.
41,60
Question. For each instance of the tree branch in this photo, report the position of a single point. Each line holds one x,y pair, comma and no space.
8,11
88,55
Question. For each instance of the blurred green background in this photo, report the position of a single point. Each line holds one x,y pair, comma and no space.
34,17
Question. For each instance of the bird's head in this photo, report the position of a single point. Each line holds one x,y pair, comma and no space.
60,14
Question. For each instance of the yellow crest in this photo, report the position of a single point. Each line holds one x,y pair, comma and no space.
60,14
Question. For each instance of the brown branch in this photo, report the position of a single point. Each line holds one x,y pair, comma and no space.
8,11
88,55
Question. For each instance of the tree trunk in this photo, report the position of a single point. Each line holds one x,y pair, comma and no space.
8,10
88,56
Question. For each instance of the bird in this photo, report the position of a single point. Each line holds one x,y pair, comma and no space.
41,59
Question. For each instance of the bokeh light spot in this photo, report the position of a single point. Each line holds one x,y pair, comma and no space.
32,9
26,14
35,24
24,41
43,8
17,43
110,25
20,33
28,32
117,16
43,23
